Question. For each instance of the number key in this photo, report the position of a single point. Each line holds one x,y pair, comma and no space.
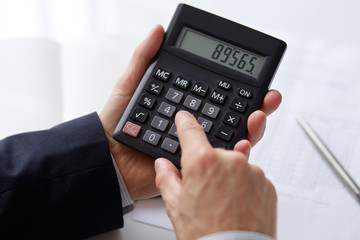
174,95
152,137
206,124
192,103
210,110
166,109
159,123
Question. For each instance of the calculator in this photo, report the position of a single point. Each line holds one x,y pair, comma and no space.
212,67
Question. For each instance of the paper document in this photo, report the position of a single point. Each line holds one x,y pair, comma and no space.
321,80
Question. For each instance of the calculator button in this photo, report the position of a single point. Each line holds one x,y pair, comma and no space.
162,74
206,124
218,144
154,87
245,93
192,103
147,101
182,82
224,133
174,95
238,105
210,110
131,129
159,123
166,109
139,115
217,97
152,137
232,119
170,145
173,131
199,89
224,85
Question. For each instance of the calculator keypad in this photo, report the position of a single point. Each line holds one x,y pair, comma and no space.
218,108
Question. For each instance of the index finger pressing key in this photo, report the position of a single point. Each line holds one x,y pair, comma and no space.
190,133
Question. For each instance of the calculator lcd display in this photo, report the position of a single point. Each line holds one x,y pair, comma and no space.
225,54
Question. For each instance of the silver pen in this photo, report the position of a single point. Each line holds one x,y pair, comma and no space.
336,165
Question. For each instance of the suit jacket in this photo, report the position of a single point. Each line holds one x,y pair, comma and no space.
58,183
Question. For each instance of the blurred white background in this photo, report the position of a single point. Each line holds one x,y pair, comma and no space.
68,19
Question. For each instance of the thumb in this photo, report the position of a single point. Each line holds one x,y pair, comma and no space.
168,181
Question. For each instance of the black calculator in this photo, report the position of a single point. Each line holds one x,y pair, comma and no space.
216,69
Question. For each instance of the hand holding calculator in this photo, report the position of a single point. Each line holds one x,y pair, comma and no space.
214,68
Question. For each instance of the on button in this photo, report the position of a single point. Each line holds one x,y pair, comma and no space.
245,93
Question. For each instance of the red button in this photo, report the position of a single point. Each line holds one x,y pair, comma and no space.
131,129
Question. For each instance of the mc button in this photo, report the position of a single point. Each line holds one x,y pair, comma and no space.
162,74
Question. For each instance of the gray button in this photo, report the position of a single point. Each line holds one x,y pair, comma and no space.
174,95
192,103
210,110
170,145
173,131
159,123
152,137
206,124
166,109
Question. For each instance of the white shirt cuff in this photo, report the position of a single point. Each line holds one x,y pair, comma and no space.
236,235
126,201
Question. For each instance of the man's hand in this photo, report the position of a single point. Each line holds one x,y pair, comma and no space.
217,189
137,169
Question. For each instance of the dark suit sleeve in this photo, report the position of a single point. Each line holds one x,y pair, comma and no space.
58,183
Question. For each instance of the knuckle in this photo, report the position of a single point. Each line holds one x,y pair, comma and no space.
202,159
205,154
259,173
238,161
272,190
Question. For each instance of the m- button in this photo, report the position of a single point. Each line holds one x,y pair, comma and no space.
199,89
